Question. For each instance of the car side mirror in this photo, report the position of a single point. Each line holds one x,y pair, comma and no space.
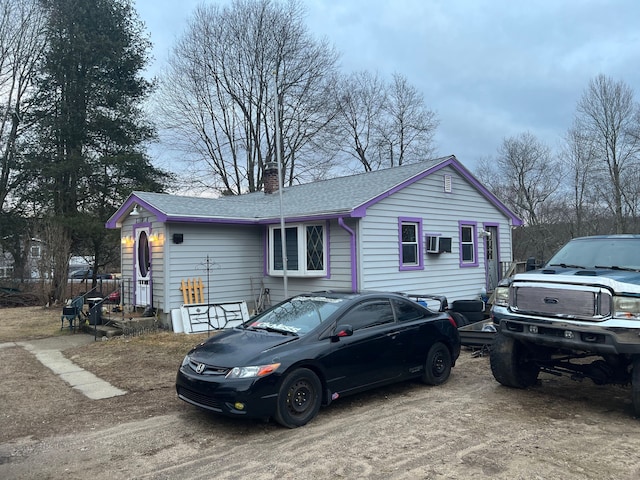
342,331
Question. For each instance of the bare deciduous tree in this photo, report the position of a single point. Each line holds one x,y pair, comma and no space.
408,126
382,125
532,175
21,45
225,76
361,100
526,177
609,117
579,156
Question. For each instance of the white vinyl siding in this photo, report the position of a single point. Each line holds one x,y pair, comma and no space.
378,234
225,257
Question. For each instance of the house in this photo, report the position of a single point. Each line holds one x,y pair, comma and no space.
427,227
35,265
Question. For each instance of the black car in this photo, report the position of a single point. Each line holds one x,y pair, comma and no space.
315,348
88,274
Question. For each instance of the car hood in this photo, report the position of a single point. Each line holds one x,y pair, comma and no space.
238,347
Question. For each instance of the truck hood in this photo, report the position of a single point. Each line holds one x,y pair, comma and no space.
619,281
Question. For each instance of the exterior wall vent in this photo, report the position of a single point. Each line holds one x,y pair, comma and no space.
447,184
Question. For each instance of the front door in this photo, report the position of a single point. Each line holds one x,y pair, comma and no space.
142,265
491,261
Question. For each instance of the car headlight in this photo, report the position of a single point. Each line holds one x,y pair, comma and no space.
186,360
501,296
252,371
626,308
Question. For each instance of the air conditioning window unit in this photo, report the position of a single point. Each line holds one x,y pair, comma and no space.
437,244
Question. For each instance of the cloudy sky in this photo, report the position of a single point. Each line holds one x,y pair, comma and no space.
489,68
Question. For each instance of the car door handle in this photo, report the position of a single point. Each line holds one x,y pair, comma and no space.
393,334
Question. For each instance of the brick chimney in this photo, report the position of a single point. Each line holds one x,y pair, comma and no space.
270,178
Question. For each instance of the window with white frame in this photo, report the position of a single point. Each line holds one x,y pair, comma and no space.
36,251
6,272
306,246
410,233
468,246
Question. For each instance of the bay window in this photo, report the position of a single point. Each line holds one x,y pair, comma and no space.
306,246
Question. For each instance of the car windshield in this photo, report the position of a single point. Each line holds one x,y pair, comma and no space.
297,316
620,253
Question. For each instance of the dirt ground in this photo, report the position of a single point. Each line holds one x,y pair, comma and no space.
469,427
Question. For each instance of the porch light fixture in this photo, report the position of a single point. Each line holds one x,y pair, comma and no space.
135,212
127,240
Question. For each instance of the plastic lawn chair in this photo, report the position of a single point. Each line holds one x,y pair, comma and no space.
72,313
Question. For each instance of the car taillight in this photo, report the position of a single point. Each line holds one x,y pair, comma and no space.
453,322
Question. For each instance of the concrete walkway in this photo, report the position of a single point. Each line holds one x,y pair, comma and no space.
49,352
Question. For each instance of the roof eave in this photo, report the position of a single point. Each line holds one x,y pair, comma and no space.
117,219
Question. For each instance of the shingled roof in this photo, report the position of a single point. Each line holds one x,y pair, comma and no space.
335,197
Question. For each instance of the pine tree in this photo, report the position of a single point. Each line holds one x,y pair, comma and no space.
87,151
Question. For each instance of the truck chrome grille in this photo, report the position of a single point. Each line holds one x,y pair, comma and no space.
579,303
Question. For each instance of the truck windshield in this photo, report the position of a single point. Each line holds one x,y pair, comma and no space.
621,253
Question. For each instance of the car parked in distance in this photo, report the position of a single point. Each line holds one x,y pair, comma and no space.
312,349
88,274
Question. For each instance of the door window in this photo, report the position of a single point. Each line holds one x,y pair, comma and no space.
143,254
369,314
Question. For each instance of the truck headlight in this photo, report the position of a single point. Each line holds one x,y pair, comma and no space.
626,308
501,296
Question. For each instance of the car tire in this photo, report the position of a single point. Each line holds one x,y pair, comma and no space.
299,398
467,306
438,365
635,385
510,365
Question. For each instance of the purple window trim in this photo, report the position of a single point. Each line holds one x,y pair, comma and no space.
420,265
326,248
474,238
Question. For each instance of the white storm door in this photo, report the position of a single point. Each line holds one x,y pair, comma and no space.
142,268
492,260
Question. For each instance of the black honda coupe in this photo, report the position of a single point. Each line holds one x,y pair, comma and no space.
315,348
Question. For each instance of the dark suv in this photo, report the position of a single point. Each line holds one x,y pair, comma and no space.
578,315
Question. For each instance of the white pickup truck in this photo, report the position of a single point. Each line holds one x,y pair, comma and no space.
577,315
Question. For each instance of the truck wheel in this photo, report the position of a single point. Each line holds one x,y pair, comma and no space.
635,385
509,363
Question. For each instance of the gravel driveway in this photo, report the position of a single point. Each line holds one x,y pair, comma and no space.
469,427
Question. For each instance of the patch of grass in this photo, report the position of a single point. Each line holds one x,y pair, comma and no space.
28,323
168,342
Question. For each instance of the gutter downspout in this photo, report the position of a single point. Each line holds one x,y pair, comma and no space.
354,269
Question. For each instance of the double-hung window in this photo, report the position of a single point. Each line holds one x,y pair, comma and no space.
306,250
468,244
410,239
